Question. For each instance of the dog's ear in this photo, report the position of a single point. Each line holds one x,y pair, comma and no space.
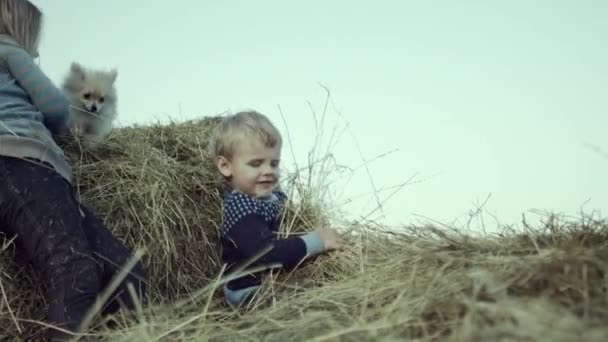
113,75
77,70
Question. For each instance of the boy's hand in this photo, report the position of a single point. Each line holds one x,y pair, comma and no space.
331,239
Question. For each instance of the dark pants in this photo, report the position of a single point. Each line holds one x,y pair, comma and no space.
77,256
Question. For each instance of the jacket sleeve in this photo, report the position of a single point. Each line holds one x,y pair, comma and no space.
252,234
49,100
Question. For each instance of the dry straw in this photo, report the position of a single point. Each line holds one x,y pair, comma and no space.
155,188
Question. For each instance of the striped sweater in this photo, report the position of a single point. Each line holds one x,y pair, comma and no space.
32,109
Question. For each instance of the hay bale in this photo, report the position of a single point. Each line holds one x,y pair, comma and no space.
155,188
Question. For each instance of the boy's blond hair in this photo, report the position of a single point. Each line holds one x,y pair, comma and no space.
21,20
241,126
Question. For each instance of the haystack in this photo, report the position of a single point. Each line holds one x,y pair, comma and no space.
155,188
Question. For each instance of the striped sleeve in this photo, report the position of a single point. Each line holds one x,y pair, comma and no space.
49,100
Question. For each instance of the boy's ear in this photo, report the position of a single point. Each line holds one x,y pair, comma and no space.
223,165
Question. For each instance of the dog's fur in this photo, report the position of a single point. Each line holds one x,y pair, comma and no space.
93,97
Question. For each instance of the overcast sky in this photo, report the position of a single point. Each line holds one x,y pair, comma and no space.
472,98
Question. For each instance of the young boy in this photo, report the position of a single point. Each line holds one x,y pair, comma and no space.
246,149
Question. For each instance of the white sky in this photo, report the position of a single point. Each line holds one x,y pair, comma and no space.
477,97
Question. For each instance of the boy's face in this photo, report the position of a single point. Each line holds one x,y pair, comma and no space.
253,168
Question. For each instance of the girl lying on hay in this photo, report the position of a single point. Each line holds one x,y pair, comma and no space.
76,254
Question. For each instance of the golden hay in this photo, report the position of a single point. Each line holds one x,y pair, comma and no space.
155,188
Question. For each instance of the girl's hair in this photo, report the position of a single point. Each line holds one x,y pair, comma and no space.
235,128
21,20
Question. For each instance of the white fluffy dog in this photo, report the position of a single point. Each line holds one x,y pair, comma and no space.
94,99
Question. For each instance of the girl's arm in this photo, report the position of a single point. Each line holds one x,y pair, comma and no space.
49,100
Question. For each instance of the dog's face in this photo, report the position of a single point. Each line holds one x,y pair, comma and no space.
92,99
91,90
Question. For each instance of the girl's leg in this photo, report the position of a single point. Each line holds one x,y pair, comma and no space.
112,256
38,206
